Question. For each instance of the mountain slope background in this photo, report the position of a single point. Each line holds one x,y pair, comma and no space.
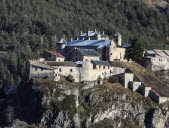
29,26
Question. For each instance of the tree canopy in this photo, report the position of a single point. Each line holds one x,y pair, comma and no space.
29,26
136,50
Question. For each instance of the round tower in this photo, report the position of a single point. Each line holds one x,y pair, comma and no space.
111,50
60,45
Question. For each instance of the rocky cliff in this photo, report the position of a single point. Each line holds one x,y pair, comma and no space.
43,103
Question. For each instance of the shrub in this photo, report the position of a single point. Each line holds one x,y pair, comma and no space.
113,79
70,78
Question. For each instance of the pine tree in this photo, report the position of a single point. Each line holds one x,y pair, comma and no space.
136,50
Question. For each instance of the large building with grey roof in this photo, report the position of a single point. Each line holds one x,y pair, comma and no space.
109,50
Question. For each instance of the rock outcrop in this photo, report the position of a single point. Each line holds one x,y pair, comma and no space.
43,103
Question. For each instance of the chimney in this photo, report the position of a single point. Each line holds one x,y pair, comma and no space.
103,32
71,39
81,32
77,38
95,30
89,38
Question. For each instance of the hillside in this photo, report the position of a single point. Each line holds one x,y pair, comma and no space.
29,26
42,103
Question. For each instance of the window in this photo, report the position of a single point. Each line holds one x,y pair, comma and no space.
108,67
50,56
111,54
60,70
99,67
76,59
94,66
36,69
103,67
41,69
86,59
110,71
71,70
59,60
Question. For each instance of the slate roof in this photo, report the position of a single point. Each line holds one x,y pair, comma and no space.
150,52
49,64
55,53
117,34
102,63
40,64
161,53
65,63
96,43
62,41
126,45
88,52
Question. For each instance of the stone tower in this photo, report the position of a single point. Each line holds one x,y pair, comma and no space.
60,45
118,38
112,48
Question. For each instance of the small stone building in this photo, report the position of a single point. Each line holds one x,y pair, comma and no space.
53,56
84,55
39,69
157,59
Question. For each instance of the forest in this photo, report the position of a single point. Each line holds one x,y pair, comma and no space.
29,26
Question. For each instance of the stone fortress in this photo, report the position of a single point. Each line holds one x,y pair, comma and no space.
88,59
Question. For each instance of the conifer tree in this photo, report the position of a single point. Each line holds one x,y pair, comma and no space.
136,50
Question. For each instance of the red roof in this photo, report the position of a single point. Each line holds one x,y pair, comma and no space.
55,53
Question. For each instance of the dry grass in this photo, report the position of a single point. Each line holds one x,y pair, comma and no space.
135,67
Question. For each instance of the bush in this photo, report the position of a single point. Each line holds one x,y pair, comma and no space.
70,78
113,79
